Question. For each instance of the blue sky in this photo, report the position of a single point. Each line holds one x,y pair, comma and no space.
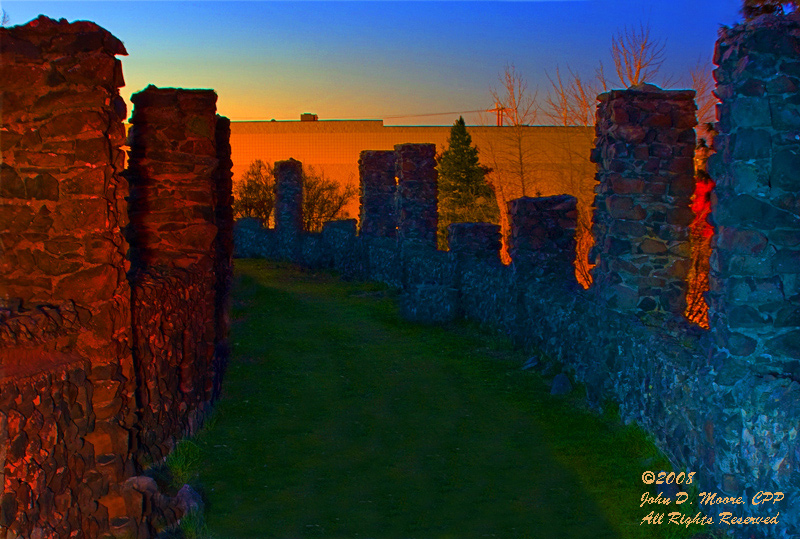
378,59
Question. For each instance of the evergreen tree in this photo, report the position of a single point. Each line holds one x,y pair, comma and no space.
464,194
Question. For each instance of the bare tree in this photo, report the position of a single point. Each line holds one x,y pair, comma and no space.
324,199
510,155
571,105
637,57
5,18
702,83
254,194
571,102
519,111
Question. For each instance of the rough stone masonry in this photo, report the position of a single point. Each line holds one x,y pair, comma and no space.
104,361
721,402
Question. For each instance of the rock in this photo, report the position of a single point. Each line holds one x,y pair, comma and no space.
187,501
532,362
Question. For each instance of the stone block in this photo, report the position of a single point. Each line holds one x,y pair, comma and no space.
751,143
751,112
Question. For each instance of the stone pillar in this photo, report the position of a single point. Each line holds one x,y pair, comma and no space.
475,240
175,183
417,189
542,240
378,187
645,173
173,163
754,299
66,371
289,207
224,247
62,196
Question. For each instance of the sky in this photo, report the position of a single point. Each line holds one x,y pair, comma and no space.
408,63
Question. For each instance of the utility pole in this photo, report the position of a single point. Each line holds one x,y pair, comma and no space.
500,111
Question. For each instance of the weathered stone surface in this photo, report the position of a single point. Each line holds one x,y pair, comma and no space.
164,231
642,207
480,240
415,201
753,304
289,207
786,170
542,241
377,191
750,112
71,431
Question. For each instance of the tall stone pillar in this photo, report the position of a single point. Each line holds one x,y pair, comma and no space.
378,187
754,299
61,191
289,207
645,173
417,191
224,248
174,178
66,372
173,166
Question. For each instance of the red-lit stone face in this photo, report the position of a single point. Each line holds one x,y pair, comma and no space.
86,330
61,185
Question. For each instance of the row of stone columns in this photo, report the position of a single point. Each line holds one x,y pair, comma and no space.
645,182
398,199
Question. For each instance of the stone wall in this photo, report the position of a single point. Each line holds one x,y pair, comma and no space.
72,432
67,387
223,257
754,298
755,290
721,402
542,239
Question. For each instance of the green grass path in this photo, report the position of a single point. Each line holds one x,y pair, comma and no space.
339,419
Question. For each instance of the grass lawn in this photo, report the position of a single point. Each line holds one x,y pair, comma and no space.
339,419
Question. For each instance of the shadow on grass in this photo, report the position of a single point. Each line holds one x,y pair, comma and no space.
339,419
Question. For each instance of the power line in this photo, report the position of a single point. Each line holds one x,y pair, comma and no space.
437,114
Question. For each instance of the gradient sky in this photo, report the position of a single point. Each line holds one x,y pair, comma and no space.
378,60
